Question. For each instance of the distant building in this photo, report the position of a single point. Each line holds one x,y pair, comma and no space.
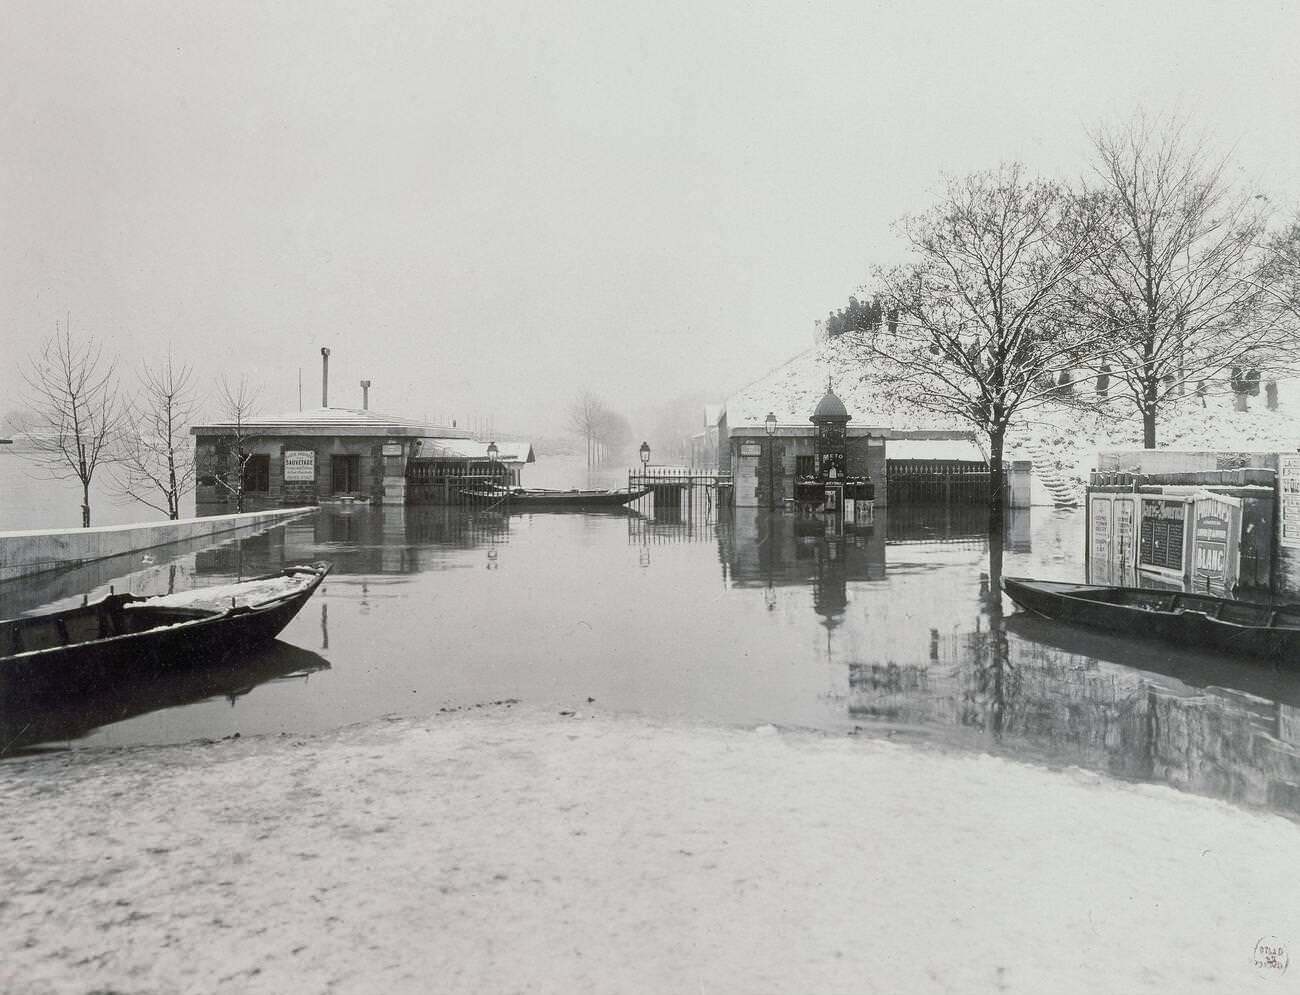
344,454
906,456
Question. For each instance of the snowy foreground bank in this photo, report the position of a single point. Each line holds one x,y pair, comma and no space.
511,849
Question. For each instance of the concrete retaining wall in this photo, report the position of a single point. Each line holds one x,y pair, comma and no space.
24,553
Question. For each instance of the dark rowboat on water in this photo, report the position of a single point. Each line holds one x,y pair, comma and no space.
124,633
1198,620
521,497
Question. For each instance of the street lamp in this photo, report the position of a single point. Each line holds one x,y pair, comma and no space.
645,458
492,452
769,423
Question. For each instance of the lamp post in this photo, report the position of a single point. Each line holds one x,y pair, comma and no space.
645,460
769,423
492,452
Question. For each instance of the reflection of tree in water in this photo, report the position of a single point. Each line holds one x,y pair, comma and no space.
1050,702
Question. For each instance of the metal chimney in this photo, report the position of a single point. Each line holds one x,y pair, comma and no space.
324,377
365,395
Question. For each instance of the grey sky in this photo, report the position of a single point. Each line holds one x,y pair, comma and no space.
483,206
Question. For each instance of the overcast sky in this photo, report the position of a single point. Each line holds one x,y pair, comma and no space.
483,207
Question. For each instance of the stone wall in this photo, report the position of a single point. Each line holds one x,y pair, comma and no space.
31,552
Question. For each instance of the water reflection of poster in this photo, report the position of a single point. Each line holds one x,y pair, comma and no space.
1289,485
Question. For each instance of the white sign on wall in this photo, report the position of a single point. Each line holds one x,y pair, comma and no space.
750,449
300,466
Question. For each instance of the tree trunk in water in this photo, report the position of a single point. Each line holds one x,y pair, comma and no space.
997,480
85,503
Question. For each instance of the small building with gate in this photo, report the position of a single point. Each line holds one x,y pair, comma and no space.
346,455
825,458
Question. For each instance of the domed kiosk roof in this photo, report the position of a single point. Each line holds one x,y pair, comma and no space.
830,407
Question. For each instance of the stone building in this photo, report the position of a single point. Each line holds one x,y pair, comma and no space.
782,460
305,457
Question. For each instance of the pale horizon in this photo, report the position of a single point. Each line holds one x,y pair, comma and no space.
484,209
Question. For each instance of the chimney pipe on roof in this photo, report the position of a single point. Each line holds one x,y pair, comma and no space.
324,377
365,395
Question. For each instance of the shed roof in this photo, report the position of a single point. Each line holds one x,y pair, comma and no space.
331,421
446,448
934,449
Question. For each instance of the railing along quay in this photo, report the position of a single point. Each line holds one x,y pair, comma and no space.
678,491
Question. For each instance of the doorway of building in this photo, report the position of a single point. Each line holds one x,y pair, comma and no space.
345,474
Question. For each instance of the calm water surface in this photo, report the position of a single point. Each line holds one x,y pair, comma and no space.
880,630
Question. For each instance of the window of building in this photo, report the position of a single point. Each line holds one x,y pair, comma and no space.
805,466
345,474
257,474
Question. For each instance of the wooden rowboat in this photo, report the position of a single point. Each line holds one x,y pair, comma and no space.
521,497
1197,620
124,633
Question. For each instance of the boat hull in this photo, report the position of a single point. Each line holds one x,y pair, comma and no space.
1195,620
553,500
174,638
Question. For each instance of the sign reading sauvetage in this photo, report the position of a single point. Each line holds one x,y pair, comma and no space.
299,466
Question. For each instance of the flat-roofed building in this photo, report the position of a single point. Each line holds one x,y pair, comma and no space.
309,456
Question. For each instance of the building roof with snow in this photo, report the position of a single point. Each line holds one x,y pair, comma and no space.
331,422
468,449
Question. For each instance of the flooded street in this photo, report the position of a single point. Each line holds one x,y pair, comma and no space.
881,630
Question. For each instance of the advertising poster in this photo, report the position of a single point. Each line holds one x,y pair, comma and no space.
1289,487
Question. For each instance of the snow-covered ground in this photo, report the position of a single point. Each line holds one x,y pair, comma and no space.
512,849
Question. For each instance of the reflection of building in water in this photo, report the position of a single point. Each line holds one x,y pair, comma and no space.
1070,707
758,549
374,540
957,525
820,552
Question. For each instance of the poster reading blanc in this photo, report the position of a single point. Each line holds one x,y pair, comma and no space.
1289,485
300,466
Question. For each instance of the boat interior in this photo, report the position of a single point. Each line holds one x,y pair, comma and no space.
1222,610
86,624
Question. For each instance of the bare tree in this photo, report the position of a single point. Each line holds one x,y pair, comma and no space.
1174,276
613,433
584,420
983,310
1280,274
234,446
74,416
157,463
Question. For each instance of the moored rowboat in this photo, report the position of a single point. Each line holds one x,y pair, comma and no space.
1200,620
123,632
521,497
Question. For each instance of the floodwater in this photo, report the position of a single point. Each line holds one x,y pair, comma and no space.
882,629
